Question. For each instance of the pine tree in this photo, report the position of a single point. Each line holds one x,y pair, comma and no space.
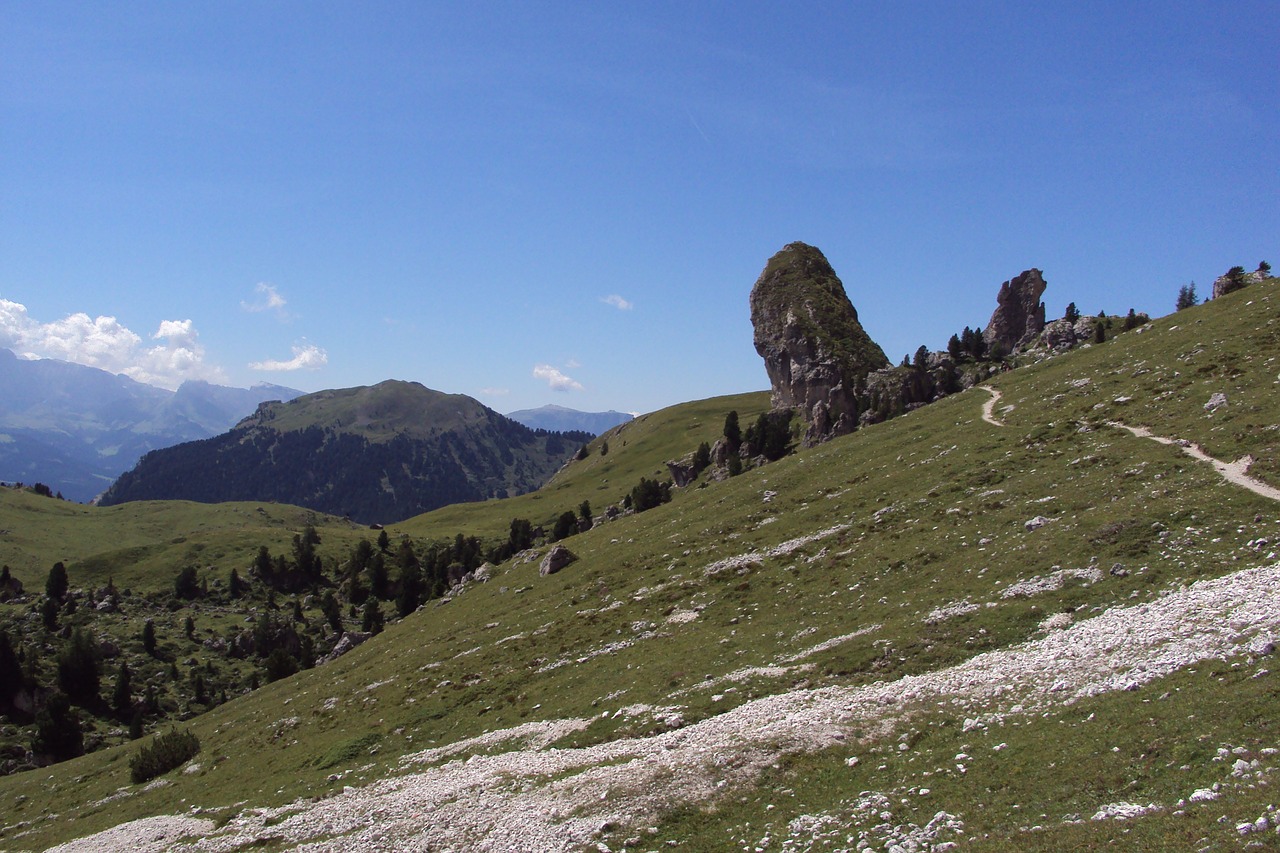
921,360
566,525
410,594
122,694
1187,296
262,564
135,725
235,586
55,586
280,664
378,577
58,733
732,431
149,637
1073,313
49,614
78,669
371,622
11,677
332,611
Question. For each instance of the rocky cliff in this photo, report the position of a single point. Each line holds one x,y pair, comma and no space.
815,350
1019,314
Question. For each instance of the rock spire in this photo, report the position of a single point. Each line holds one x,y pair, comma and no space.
1019,314
815,351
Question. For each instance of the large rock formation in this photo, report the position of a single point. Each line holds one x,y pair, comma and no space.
1019,314
1236,278
815,351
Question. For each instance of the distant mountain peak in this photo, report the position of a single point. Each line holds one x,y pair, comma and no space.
561,419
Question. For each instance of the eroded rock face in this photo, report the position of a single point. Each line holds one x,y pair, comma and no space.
815,351
1019,314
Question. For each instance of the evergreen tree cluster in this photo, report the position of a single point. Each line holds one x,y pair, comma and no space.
165,752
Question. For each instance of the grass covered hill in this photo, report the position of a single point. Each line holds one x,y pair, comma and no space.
1003,621
377,454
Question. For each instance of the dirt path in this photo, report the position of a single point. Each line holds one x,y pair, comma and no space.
1232,472
989,407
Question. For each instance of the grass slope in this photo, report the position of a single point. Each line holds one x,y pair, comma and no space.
900,550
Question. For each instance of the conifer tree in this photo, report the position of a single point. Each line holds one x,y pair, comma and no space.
149,637
122,694
55,585
1187,296
58,732
732,431
371,622
410,594
78,669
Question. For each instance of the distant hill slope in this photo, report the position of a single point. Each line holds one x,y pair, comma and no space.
1038,632
376,454
77,428
561,419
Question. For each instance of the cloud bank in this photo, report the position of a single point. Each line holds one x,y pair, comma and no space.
554,378
107,344
308,357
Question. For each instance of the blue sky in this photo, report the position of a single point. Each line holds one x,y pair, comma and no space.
568,203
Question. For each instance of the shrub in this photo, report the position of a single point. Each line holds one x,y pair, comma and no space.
164,753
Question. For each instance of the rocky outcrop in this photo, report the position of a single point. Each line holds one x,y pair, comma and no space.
1019,315
815,351
348,641
1236,278
1061,335
557,558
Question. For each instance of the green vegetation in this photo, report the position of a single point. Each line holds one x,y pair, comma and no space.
900,550
165,752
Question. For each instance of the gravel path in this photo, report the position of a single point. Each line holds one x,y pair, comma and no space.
989,407
1233,472
543,799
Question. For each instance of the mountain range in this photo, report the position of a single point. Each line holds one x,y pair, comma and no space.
380,453
560,419
76,428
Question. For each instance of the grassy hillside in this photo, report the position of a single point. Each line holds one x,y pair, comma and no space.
937,629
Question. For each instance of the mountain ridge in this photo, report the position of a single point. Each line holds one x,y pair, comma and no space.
561,419
379,453
76,428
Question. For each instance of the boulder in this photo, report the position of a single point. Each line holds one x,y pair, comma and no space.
1019,315
348,641
815,351
683,470
557,558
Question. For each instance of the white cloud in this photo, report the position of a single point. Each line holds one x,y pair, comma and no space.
617,302
106,343
308,357
495,392
268,299
557,380
179,333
